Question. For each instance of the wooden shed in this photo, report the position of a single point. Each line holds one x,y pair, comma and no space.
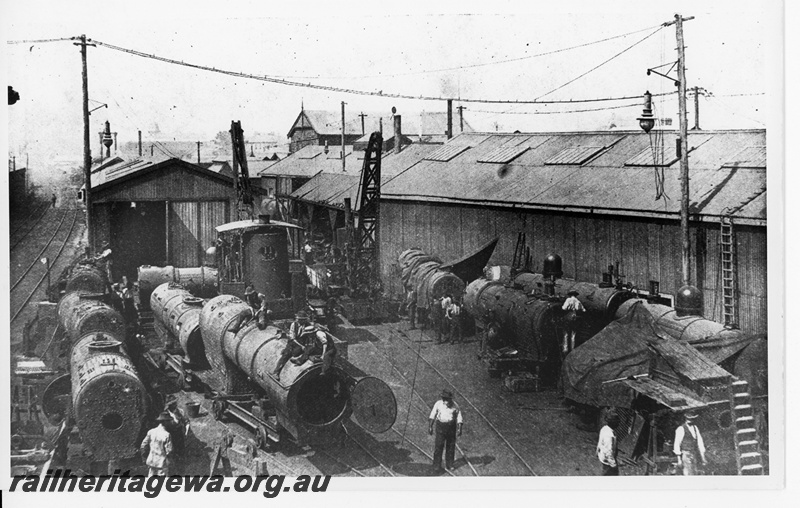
595,199
157,211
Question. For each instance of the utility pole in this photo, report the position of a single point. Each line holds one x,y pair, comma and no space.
198,153
343,162
697,91
362,115
686,268
87,153
461,117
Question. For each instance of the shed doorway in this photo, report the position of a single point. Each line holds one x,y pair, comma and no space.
138,236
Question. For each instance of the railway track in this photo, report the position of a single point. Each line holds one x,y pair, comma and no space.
409,345
43,208
53,258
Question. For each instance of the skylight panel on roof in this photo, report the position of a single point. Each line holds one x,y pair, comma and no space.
574,156
750,157
446,153
660,157
308,155
503,155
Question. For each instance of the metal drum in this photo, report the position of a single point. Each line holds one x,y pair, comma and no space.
109,401
87,278
199,281
80,314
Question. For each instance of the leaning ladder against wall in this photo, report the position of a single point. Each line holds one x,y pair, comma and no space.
728,264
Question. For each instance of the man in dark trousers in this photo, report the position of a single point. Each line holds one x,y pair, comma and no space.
178,429
447,421
573,310
689,446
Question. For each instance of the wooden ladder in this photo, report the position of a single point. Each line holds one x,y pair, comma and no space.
748,450
730,303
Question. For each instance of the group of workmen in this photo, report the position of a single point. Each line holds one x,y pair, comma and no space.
688,446
445,316
122,300
307,341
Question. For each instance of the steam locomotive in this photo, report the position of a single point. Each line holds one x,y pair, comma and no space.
222,347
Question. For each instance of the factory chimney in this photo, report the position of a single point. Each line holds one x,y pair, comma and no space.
140,143
398,135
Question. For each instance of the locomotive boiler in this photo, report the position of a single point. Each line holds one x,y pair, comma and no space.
741,353
109,401
239,358
529,323
176,314
423,273
201,281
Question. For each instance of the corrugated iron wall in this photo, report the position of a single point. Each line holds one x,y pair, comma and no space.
645,249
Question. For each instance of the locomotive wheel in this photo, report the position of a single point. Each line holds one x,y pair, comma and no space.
261,438
218,409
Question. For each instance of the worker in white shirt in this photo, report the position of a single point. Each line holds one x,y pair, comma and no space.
689,445
157,447
607,446
446,419
573,308
441,313
453,316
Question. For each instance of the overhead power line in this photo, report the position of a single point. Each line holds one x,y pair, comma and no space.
603,63
37,41
351,91
472,66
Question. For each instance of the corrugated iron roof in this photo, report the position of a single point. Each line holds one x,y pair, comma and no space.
124,170
425,124
654,156
574,155
750,157
503,155
330,187
604,184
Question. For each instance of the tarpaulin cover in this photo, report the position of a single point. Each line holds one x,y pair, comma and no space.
627,347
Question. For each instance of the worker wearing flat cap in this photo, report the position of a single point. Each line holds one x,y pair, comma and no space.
689,446
573,309
301,333
447,421
157,447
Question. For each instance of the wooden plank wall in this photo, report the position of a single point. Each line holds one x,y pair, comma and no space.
192,230
646,249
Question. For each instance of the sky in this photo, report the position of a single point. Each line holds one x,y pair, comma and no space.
499,51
